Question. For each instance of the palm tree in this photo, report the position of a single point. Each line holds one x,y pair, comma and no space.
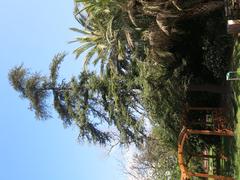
107,32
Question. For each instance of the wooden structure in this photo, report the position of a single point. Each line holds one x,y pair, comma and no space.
207,121
208,88
206,118
183,136
233,26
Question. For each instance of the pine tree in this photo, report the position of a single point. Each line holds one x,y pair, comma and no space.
94,103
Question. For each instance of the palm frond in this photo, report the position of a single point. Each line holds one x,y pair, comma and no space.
80,31
129,39
88,57
82,48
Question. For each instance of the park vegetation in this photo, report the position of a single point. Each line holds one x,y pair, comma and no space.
139,58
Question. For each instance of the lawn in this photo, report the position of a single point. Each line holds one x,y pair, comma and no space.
237,151
234,146
237,137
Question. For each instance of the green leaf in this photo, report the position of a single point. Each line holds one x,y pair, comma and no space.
80,31
88,57
82,48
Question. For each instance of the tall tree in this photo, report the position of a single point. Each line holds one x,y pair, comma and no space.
148,52
92,102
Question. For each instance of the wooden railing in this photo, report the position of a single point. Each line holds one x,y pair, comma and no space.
185,174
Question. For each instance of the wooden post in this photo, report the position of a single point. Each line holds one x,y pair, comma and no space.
204,175
208,88
224,132
233,26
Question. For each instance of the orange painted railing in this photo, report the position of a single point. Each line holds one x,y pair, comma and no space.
185,174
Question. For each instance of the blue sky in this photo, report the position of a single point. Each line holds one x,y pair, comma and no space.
31,33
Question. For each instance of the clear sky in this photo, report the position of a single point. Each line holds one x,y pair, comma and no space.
31,33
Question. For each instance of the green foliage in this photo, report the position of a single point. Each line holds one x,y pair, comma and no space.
217,47
31,87
94,103
105,39
143,73
163,96
156,158
148,53
54,67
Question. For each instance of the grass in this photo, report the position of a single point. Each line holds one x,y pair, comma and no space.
237,153
234,146
237,137
210,163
